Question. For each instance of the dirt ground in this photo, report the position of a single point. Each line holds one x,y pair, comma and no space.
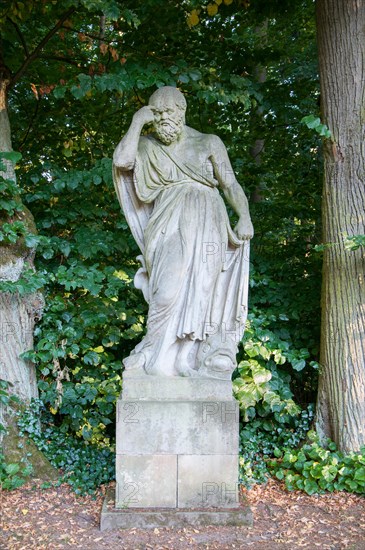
34,518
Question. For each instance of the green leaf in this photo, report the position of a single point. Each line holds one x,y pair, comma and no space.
59,92
360,474
31,240
280,474
298,364
311,487
13,156
12,469
260,374
314,122
354,242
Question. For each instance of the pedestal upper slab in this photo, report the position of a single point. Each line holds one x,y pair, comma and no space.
148,387
177,427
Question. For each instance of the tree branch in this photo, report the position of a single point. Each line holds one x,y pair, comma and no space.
40,46
19,33
30,126
64,59
102,27
93,36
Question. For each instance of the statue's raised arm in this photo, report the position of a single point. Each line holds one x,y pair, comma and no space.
194,271
125,154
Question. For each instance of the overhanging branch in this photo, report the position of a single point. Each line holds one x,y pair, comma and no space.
68,60
32,56
22,40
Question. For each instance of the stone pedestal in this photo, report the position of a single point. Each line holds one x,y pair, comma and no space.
177,444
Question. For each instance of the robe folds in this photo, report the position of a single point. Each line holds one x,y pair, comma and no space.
194,272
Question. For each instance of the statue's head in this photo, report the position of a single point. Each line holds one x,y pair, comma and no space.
168,105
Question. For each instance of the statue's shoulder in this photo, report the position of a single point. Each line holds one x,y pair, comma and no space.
145,142
210,141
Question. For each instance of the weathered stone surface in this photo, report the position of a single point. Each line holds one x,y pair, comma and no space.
173,453
177,423
207,481
147,387
147,481
178,427
194,266
113,518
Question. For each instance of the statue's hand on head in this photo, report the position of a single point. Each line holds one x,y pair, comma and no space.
125,154
244,228
144,116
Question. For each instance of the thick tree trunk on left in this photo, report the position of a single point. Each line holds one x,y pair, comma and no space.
17,313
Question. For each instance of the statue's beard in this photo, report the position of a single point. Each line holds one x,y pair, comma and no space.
168,130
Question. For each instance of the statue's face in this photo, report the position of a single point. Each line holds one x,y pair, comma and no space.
169,120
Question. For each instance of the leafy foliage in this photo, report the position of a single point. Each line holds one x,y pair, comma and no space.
70,107
261,438
262,384
315,469
354,242
85,467
12,475
314,122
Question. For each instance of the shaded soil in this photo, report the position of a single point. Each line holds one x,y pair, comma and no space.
34,518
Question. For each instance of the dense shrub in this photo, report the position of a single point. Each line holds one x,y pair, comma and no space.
315,469
261,437
82,465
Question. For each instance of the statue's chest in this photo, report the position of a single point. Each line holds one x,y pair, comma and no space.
194,153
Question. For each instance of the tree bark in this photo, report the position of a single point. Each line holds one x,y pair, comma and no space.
257,149
341,397
17,313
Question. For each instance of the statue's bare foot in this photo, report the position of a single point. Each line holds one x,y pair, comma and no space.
185,370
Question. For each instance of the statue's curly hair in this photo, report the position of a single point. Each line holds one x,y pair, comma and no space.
169,91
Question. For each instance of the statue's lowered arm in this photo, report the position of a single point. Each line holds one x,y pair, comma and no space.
231,189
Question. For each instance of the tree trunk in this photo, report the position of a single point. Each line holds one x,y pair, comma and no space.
257,148
341,398
17,313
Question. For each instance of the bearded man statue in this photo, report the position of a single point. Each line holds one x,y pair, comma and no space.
194,272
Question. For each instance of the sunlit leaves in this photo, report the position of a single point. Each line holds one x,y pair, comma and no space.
353,242
16,11
212,9
314,123
315,469
193,18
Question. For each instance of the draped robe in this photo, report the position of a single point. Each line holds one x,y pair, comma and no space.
194,271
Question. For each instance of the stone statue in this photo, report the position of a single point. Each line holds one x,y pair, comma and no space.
194,272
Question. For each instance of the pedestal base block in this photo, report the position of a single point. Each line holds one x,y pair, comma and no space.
206,481
142,518
146,481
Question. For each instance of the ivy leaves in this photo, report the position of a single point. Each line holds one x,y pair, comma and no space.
314,123
315,469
